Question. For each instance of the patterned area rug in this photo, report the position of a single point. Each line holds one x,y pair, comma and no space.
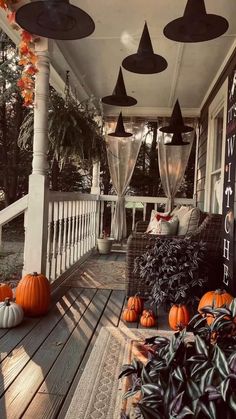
99,392
99,274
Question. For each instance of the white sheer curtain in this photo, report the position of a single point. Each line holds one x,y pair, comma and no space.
173,161
122,154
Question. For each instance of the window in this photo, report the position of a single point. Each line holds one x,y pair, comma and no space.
216,152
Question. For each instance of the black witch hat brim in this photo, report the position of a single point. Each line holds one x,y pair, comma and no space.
145,64
56,20
116,100
207,27
120,134
175,129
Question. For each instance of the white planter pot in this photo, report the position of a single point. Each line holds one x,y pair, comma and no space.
104,245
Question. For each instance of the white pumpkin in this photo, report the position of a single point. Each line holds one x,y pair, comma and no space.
11,314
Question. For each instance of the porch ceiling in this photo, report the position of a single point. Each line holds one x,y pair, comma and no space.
191,68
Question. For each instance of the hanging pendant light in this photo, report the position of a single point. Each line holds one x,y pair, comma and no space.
120,129
176,125
196,25
145,61
56,19
119,96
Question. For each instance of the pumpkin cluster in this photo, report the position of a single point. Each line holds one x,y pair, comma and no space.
134,310
32,299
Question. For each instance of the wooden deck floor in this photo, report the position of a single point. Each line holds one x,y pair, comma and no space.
42,359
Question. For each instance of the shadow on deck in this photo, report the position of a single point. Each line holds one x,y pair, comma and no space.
42,359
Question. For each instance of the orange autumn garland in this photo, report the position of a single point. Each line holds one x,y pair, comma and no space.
28,58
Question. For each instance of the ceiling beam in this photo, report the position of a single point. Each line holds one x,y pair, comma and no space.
176,73
151,112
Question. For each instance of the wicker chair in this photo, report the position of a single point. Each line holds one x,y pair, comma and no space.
209,231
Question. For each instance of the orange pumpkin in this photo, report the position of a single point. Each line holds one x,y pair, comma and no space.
136,302
130,315
5,292
145,311
215,299
33,294
178,317
147,319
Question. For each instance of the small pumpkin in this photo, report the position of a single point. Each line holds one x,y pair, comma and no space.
136,302
11,314
130,314
5,292
33,294
147,319
215,299
178,316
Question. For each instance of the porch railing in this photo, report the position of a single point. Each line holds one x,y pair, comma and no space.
75,221
133,201
13,211
72,230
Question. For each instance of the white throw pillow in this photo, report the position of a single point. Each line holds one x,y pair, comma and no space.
167,228
188,222
155,215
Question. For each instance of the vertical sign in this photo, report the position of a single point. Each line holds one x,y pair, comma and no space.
229,186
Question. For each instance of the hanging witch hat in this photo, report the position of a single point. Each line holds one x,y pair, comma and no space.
145,61
56,19
176,125
119,96
120,129
177,139
196,25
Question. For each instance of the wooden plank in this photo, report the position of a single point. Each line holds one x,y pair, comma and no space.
44,406
64,369
110,317
10,340
21,354
22,390
68,362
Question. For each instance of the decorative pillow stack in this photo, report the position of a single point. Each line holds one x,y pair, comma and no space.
162,223
188,217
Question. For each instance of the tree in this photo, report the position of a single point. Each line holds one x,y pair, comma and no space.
14,163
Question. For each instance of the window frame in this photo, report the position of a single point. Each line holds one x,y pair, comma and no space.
218,103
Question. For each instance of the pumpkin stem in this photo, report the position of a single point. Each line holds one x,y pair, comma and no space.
220,291
35,273
7,301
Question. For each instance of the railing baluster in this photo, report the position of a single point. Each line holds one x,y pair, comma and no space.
68,246
80,231
54,253
133,216
49,243
65,212
82,228
101,217
59,242
85,226
144,211
76,230
72,247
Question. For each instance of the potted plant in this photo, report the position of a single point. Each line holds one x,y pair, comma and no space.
175,270
190,375
104,243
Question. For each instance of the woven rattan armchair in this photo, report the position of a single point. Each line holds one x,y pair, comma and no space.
209,231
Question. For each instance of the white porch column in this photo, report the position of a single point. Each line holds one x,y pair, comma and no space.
95,189
37,214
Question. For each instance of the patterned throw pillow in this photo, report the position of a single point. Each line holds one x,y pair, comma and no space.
155,217
166,228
